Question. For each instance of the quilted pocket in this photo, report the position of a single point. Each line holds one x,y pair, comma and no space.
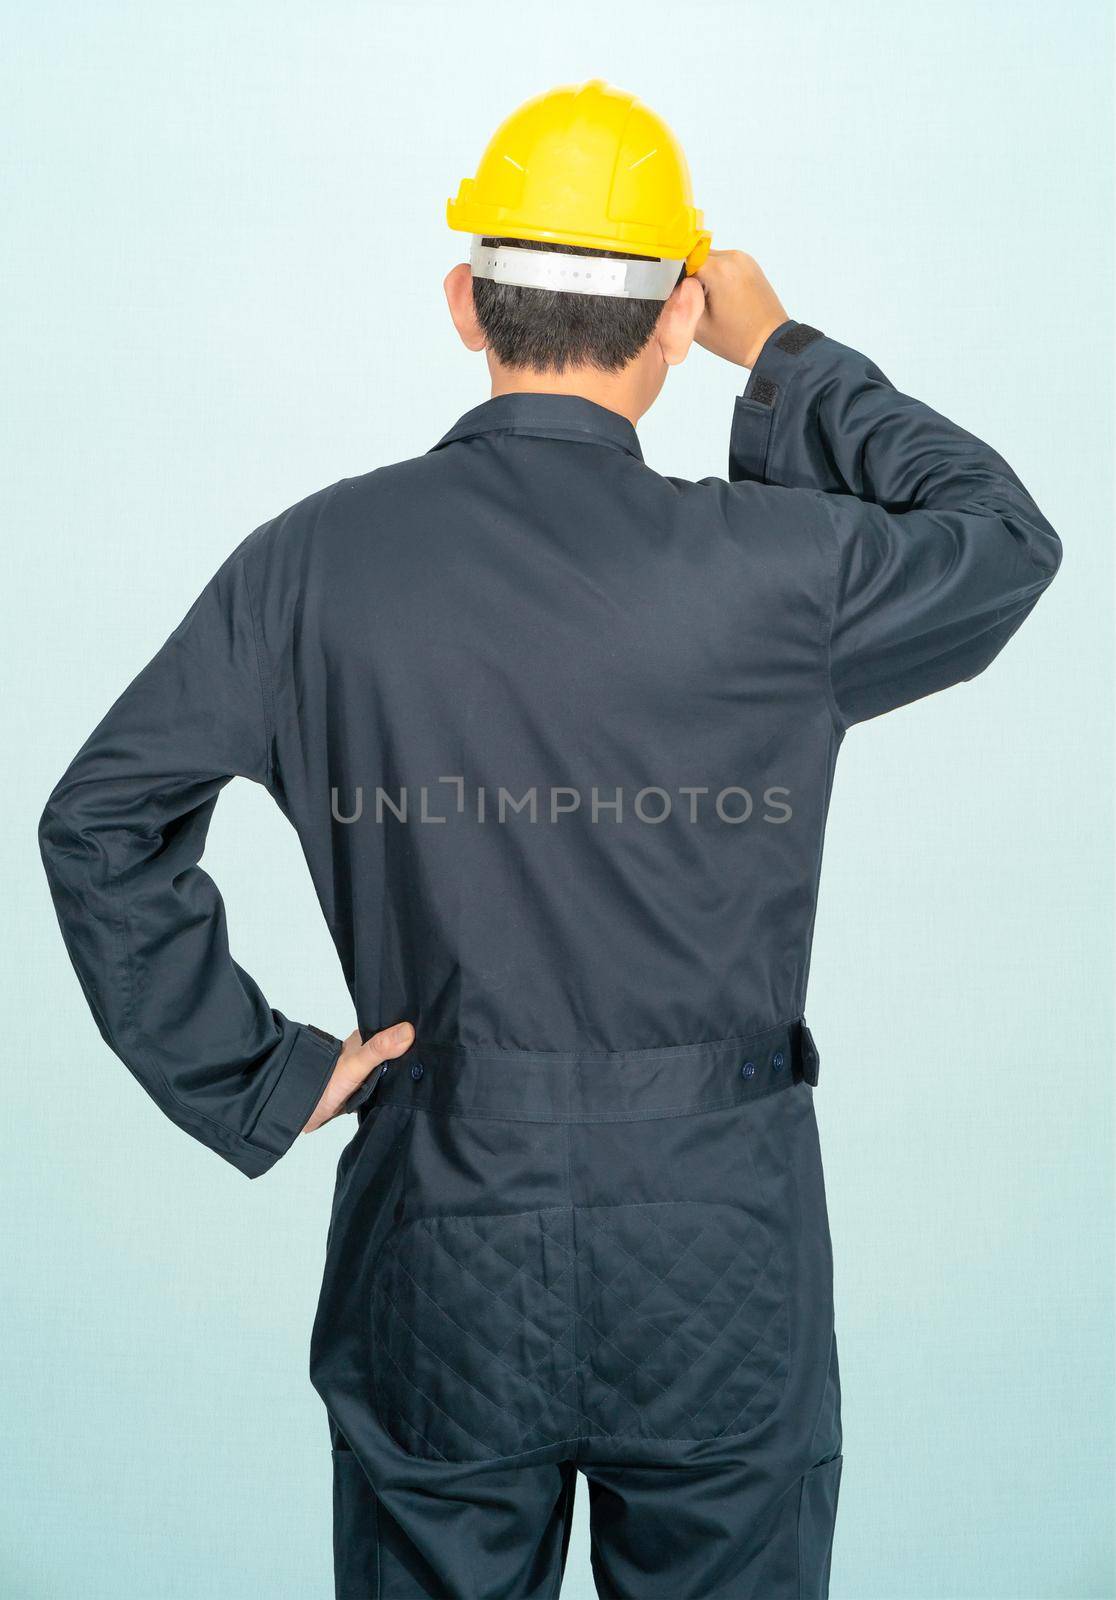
495,1335
471,1323
683,1320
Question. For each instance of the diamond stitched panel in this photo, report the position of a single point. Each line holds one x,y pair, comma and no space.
495,1335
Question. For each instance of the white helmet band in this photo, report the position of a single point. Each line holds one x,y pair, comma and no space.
550,269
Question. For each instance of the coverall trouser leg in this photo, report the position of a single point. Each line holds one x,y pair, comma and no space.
540,1267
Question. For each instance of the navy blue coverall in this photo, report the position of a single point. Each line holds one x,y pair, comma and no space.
557,736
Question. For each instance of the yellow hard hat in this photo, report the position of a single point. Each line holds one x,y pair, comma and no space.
585,166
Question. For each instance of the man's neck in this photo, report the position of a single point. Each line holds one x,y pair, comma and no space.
614,392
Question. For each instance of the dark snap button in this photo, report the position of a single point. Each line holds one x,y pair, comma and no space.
416,1070
748,1070
777,1059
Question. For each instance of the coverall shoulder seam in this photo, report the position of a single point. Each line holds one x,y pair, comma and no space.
839,721
263,669
263,675
786,389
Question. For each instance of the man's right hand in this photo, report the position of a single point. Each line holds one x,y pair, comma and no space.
741,311
354,1064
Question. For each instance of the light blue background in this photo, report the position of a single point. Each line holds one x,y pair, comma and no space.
226,240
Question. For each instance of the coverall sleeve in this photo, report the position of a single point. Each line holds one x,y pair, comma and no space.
939,552
144,925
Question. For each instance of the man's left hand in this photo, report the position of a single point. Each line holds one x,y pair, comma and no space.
354,1064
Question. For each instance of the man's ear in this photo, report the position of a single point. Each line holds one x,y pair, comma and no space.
678,320
459,298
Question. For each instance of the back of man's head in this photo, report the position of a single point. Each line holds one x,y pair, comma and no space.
548,330
582,174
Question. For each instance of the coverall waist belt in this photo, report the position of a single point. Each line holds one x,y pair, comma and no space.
557,1086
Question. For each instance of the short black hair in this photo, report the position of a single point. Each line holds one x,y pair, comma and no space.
548,330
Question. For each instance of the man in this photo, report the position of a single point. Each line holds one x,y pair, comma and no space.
557,735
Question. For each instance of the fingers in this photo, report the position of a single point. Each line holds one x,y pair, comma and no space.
354,1064
742,310
719,262
386,1045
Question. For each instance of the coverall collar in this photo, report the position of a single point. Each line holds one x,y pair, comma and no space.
548,416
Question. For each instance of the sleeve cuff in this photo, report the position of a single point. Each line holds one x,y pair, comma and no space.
289,1106
756,409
